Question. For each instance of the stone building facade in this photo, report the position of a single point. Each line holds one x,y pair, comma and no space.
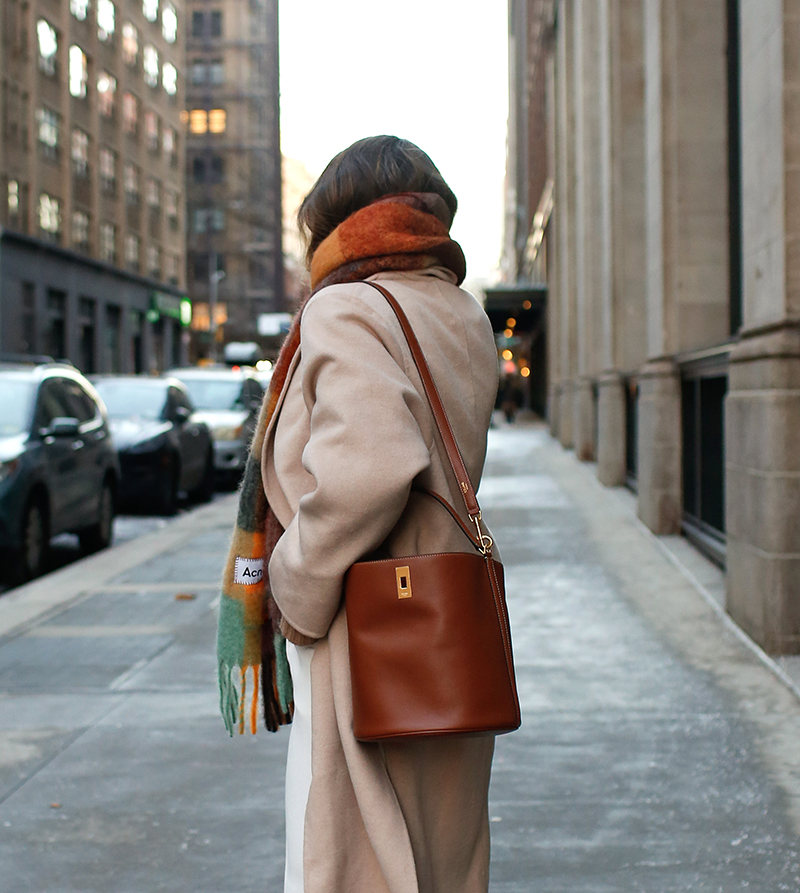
673,266
233,167
92,176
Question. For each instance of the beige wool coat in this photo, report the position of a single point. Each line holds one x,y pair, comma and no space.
353,431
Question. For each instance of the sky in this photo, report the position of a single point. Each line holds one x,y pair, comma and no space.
432,71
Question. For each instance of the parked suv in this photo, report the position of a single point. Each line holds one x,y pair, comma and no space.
58,466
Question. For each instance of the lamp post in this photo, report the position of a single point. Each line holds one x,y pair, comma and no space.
214,278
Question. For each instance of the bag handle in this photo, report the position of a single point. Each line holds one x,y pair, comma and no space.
442,422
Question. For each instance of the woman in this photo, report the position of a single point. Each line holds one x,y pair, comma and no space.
345,434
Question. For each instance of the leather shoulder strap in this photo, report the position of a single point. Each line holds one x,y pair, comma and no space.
439,414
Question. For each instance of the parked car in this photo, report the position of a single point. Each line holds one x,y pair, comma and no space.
165,448
58,467
228,400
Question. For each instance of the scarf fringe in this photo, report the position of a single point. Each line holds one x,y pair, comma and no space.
239,706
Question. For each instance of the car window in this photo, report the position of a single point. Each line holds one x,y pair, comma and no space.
15,407
53,402
82,407
131,398
214,393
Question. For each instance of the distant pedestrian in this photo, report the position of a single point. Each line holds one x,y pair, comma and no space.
344,435
510,397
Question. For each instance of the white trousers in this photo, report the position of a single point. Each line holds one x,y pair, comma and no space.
298,765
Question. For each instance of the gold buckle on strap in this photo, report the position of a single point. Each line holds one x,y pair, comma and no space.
485,542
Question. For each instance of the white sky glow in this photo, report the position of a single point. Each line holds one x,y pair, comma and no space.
432,71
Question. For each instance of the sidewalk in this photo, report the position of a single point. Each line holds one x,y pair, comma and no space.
658,752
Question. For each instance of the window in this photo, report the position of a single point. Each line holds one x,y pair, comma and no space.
48,46
217,120
130,113
217,169
130,44
198,121
171,269
80,229
106,88
132,250
152,192
150,10
150,66
216,23
106,16
79,8
169,77
198,170
171,207
78,72
169,23
108,242
13,198
198,71
197,24
216,71
151,130
131,182
153,261
80,152
208,220
169,141
108,176
48,132
49,214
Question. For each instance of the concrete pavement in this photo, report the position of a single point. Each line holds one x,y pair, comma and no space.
658,753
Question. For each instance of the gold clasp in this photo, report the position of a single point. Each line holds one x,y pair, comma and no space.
485,542
403,582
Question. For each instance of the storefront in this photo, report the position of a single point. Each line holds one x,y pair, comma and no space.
57,303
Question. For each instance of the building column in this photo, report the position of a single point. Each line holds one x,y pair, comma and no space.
686,227
611,468
763,405
554,409
625,340
585,419
565,416
659,447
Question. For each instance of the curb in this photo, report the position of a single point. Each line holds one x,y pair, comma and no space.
26,605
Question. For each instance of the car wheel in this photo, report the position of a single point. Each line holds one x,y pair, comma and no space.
35,542
205,489
167,495
99,535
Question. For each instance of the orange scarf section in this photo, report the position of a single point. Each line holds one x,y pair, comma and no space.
392,234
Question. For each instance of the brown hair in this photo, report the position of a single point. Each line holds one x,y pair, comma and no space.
361,174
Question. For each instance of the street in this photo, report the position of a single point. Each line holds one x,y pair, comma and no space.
658,750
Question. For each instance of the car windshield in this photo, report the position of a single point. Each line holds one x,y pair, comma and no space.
126,398
214,393
15,407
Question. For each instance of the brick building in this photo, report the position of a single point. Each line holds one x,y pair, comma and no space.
233,167
91,181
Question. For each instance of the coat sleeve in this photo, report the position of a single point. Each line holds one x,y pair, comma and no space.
364,450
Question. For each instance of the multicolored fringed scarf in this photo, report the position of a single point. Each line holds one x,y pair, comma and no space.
400,232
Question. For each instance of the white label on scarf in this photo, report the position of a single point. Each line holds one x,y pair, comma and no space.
248,571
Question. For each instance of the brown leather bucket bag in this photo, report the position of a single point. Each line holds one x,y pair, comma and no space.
430,643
